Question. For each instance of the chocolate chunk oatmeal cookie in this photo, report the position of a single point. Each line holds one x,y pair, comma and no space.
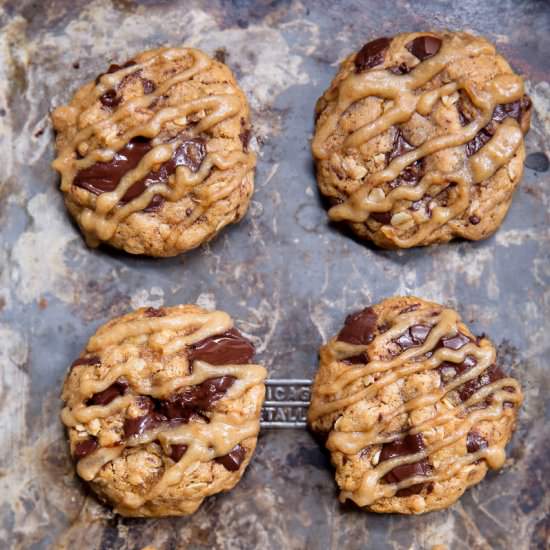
153,155
419,139
413,406
163,409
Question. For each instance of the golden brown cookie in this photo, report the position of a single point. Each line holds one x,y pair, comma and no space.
153,155
163,409
413,406
419,139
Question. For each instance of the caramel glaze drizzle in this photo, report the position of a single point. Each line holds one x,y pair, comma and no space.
102,214
328,398
204,441
401,90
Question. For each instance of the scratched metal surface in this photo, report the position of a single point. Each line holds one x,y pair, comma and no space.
284,273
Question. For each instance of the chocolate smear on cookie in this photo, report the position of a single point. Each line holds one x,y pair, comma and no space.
104,177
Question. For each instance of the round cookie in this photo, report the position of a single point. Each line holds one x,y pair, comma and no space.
412,406
153,155
419,139
163,409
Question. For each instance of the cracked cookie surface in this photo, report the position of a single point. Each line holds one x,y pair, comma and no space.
419,139
153,154
163,409
413,407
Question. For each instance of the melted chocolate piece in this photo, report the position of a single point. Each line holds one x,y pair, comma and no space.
110,99
448,370
408,309
361,359
371,54
194,399
474,220
492,374
413,336
106,396
113,68
516,109
84,448
154,312
104,177
424,47
410,175
454,342
402,68
177,451
93,360
148,86
139,425
231,347
244,136
233,460
179,408
381,217
410,444
359,327
475,442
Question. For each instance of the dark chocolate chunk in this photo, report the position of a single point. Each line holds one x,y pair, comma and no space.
148,86
230,347
359,327
139,425
516,109
454,342
408,309
115,68
106,396
411,174
448,370
233,460
492,374
474,220
244,136
424,47
110,99
413,336
92,360
201,397
84,448
154,312
361,359
475,441
537,162
104,177
381,217
372,54
402,68
410,444
177,451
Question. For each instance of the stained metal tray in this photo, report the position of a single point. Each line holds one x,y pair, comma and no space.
284,273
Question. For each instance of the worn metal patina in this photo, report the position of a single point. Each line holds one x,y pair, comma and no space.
284,273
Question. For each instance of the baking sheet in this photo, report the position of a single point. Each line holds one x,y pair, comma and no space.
284,273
